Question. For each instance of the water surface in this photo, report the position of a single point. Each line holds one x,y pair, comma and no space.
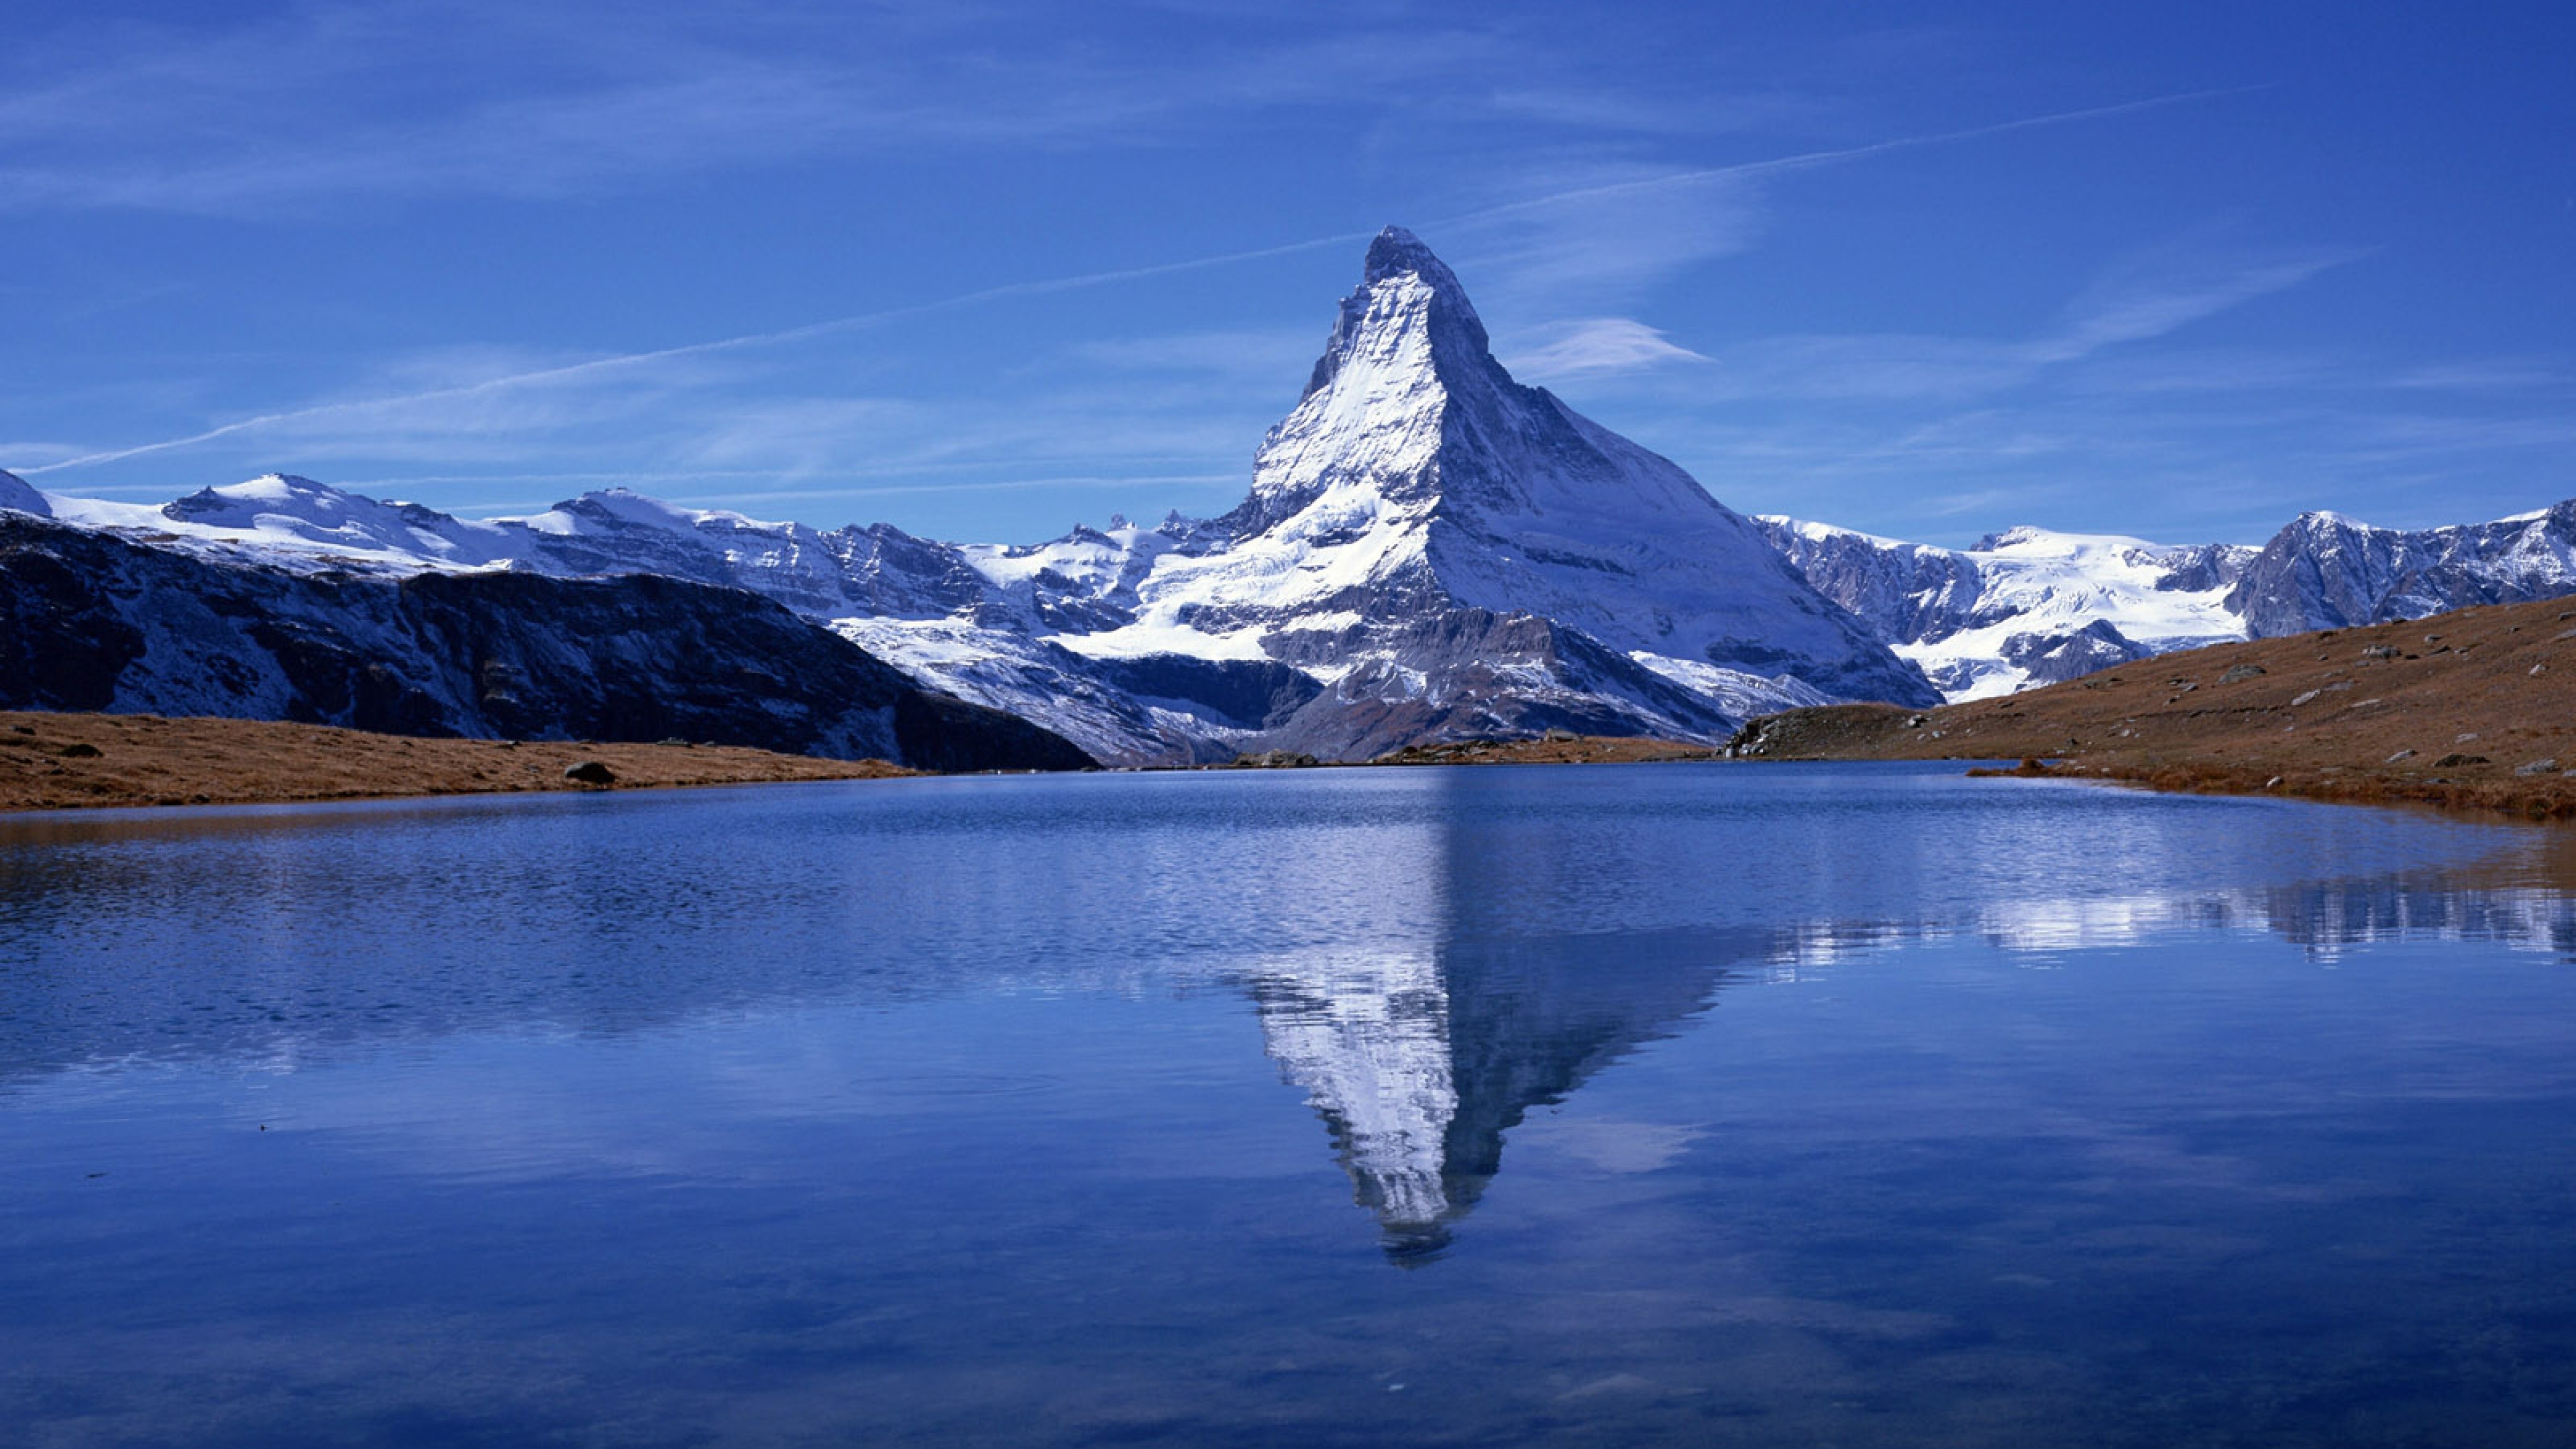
1675,1104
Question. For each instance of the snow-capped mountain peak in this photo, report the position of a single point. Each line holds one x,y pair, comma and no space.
2024,606
1409,306
2328,570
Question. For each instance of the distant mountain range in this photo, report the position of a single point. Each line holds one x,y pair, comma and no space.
1428,551
2028,606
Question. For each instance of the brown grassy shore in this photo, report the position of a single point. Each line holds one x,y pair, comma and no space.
59,761
2472,710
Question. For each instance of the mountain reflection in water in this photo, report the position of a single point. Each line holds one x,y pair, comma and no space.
1477,978
1419,1064
1841,1105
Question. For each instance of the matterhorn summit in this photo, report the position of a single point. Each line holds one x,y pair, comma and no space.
1453,554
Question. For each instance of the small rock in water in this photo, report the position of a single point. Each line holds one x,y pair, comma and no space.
590,772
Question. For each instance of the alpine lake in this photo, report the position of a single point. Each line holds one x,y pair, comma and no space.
1675,1104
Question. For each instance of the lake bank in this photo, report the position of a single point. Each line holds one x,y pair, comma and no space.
2473,710
74,761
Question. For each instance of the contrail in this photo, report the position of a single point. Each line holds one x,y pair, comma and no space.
693,349
1042,287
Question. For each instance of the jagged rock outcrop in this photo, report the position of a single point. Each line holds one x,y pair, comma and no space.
2326,571
2056,658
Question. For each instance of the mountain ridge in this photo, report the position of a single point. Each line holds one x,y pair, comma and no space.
1427,550
2029,606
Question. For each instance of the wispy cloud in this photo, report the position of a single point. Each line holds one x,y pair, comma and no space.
2499,374
628,364
460,98
1600,230
1561,241
1596,245
2141,299
2150,295
323,105
1598,345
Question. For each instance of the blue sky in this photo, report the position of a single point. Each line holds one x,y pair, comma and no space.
985,271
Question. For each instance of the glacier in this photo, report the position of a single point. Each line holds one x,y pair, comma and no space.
2030,606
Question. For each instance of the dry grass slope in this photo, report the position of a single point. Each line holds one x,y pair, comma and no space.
61,761
2469,710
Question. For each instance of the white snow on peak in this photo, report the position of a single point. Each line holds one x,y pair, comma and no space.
614,507
1819,532
1415,468
2036,581
293,522
1964,615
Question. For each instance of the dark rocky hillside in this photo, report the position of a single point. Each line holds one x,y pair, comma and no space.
89,621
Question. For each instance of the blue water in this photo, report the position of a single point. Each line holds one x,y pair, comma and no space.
1677,1104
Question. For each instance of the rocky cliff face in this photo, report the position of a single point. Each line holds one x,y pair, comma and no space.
90,621
2325,571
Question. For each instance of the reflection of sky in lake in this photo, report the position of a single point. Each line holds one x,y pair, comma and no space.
1868,1104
